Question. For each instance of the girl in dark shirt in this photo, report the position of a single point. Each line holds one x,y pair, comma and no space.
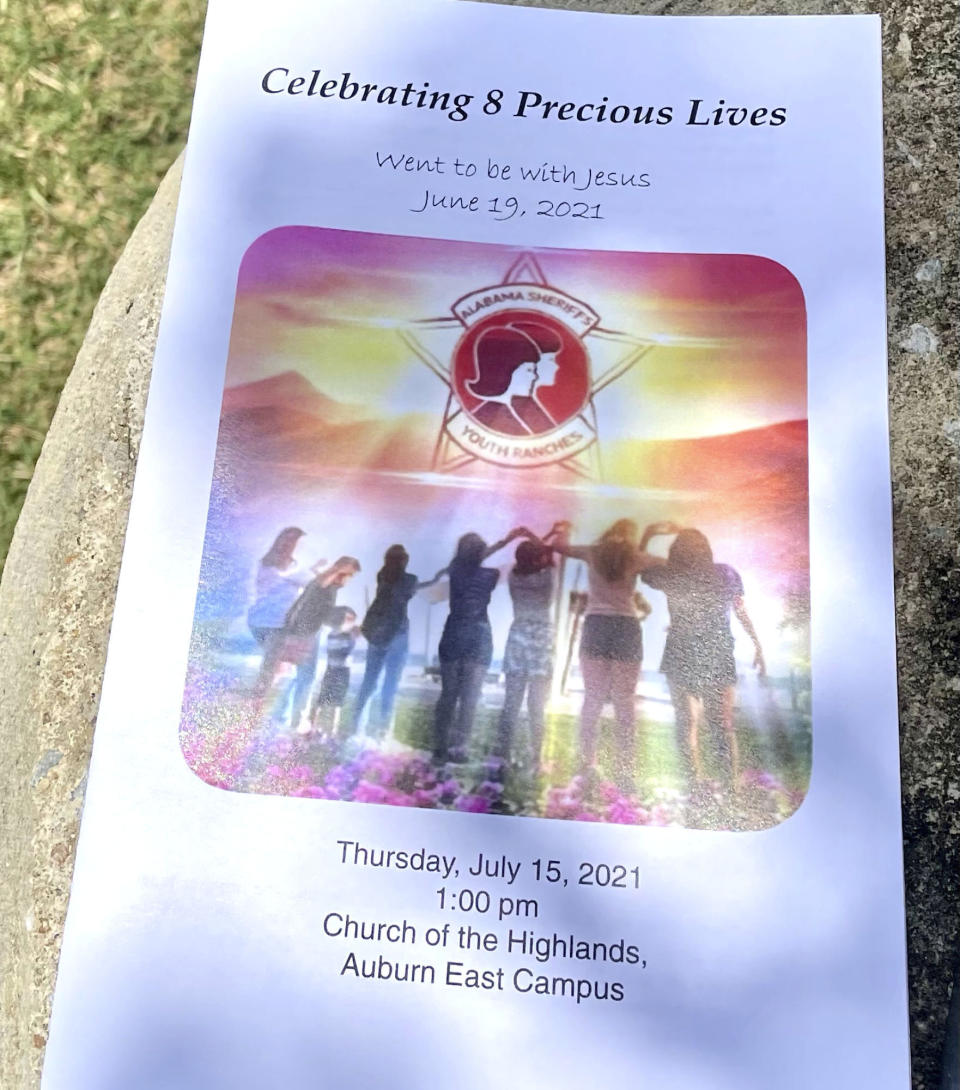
386,628
698,655
466,646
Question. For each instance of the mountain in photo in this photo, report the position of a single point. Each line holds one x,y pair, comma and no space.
281,428
287,391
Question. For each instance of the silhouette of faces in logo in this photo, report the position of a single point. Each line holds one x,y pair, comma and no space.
513,362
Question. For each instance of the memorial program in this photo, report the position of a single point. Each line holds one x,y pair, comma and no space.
502,678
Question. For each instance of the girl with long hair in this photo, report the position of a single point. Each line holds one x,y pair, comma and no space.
278,581
297,641
386,629
466,645
528,655
698,655
611,647
512,362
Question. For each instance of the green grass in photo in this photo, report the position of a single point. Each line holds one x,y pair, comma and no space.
96,103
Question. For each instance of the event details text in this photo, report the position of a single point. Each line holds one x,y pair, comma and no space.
483,916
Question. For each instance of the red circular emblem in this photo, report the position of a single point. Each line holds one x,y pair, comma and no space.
520,372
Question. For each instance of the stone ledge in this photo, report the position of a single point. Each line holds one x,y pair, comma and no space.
57,593
56,603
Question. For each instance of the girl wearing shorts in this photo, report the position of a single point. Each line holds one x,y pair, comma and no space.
611,647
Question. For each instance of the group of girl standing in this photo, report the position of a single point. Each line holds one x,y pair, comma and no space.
698,659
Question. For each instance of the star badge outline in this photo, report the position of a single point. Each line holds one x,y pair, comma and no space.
450,455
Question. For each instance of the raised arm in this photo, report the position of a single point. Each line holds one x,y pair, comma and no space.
657,529
558,539
519,531
326,577
424,584
577,552
740,609
645,560
301,577
344,564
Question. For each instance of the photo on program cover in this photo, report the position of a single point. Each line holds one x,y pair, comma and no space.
508,531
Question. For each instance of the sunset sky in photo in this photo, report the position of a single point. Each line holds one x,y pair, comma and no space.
730,329
330,417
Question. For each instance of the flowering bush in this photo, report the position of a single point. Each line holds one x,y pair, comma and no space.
766,799
286,779
606,802
216,742
226,747
405,779
761,800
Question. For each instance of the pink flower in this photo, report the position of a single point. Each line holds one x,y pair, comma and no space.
755,777
370,792
313,791
624,812
472,804
562,803
449,789
280,747
427,798
607,792
399,798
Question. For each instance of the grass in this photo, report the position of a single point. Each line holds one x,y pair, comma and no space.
781,748
776,744
95,105
230,741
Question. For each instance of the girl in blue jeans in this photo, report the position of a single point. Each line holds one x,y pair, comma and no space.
386,630
466,646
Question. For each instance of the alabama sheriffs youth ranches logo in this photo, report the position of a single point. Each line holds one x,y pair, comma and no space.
519,377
